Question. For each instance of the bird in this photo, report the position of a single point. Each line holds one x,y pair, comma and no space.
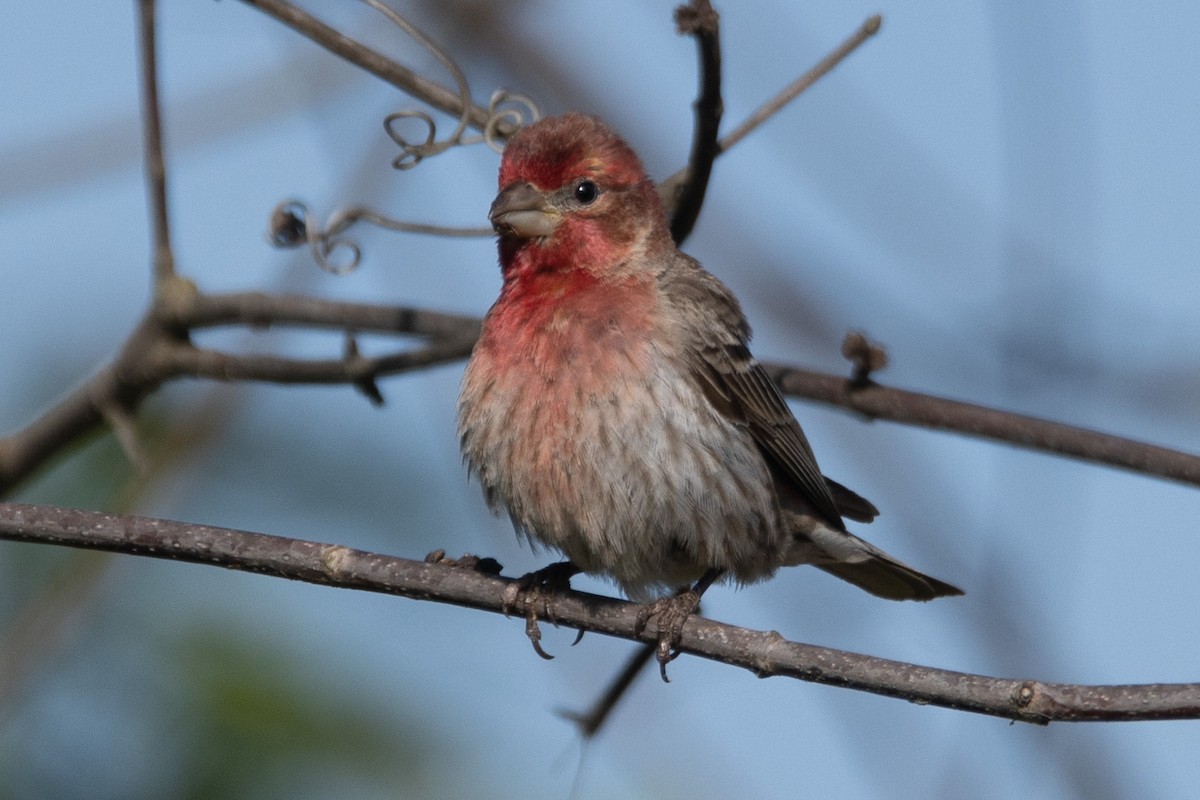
612,407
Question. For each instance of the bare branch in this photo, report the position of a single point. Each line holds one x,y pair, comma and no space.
377,64
259,309
699,19
135,372
159,350
591,721
155,166
763,653
669,188
793,90
928,411
151,356
352,369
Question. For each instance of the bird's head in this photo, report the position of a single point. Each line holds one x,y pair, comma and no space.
574,194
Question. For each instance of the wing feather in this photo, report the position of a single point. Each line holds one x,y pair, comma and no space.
740,388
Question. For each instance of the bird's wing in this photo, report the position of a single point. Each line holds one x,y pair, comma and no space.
737,385
851,504
742,390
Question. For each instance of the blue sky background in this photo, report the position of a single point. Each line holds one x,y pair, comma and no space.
1004,194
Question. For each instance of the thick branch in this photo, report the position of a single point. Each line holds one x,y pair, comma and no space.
940,413
351,369
158,350
260,309
763,653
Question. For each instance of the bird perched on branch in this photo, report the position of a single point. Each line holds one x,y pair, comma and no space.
612,406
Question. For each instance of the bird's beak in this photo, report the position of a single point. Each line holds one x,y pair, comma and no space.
521,210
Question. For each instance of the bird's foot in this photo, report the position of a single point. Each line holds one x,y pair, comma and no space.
485,564
670,613
538,588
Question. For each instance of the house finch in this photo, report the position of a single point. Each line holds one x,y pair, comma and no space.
612,407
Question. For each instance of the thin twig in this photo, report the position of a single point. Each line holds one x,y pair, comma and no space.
134,373
591,721
155,166
669,187
769,109
763,653
376,63
699,19
353,214
124,428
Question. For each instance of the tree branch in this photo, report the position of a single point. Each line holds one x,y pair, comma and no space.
669,188
869,28
152,356
159,350
352,368
376,63
763,653
259,309
928,411
155,165
699,19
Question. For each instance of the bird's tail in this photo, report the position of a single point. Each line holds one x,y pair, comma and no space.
888,578
848,557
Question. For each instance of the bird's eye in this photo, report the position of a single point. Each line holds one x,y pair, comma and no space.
586,192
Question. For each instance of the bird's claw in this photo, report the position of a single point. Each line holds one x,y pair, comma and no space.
671,614
536,588
535,633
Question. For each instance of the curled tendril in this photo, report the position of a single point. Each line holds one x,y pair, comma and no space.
518,110
412,153
292,225
505,109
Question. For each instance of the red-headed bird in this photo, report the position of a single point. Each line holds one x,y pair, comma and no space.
612,406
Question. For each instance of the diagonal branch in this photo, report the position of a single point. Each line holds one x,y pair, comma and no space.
669,187
376,63
869,28
763,653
